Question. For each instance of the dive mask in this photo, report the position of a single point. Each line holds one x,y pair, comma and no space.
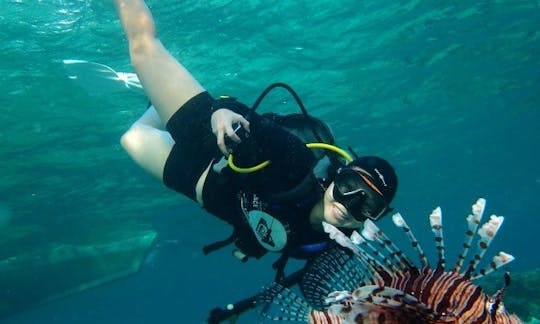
359,195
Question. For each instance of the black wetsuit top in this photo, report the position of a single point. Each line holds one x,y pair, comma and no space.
291,164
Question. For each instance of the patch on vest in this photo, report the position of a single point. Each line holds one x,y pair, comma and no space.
269,231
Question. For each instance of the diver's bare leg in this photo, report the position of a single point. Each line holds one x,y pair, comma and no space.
166,82
148,144
151,118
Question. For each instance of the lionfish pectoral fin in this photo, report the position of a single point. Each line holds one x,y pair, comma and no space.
279,303
333,270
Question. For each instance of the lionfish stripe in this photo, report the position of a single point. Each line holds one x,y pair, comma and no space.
402,279
426,290
445,282
416,281
470,304
458,288
474,307
457,292
319,317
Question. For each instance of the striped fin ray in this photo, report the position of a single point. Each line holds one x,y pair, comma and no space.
373,266
372,232
487,232
435,220
281,304
357,239
399,221
498,261
472,222
335,234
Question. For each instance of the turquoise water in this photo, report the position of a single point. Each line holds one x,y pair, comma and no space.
447,91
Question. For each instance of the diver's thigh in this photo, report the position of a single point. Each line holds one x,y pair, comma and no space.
148,147
168,84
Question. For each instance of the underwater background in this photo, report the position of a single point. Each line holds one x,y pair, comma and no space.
448,91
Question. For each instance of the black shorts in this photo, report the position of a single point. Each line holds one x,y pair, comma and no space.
195,145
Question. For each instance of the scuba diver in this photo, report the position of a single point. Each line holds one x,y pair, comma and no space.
274,178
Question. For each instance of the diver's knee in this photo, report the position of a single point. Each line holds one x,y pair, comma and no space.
131,140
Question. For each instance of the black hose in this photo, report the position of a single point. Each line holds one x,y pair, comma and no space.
295,96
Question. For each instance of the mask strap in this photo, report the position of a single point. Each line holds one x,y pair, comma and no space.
371,185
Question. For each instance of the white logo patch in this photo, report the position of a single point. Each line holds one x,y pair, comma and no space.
269,231
381,177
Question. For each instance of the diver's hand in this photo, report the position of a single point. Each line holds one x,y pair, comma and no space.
222,125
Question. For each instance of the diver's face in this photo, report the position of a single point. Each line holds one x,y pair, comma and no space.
335,213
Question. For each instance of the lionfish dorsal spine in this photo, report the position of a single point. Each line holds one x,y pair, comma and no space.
486,233
399,259
374,267
384,264
335,234
359,240
435,220
399,221
498,261
473,220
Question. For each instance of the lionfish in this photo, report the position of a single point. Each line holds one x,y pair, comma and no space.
373,281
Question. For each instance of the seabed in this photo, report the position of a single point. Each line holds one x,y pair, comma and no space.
45,272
